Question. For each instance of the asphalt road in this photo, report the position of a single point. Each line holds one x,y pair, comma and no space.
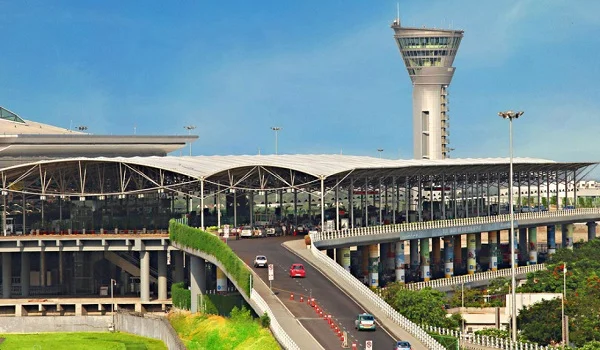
331,299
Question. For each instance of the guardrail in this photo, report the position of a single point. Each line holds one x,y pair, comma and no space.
487,341
404,322
481,276
438,224
282,337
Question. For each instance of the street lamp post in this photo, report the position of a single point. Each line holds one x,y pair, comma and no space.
189,129
113,282
380,150
276,129
565,329
510,115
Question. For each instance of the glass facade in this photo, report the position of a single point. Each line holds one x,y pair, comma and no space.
8,115
429,51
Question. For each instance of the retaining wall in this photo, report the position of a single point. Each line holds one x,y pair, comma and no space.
54,324
150,326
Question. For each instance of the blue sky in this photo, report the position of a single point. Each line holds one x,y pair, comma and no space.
328,72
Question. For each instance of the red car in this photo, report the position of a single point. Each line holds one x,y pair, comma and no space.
297,270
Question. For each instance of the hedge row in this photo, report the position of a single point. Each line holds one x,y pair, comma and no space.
210,244
182,297
448,342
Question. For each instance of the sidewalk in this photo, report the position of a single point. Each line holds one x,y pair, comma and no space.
299,248
287,321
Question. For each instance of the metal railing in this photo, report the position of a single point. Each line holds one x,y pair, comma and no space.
479,276
282,337
487,341
390,312
439,224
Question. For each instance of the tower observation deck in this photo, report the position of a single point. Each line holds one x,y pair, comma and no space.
428,55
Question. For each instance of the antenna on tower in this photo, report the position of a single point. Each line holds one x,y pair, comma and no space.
398,12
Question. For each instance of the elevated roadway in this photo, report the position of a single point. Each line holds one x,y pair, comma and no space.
328,296
441,228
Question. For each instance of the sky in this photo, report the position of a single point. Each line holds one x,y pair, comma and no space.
327,72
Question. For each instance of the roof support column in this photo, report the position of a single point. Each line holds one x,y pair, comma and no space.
295,206
519,193
443,196
235,208
266,205
477,195
431,206
539,200
407,192
202,203
218,194
366,207
487,197
351,202
395,201
337,205
251,207
529,189
557,191
575,188
498,213
380,204
465,197
419,198
566,189
322,203
4,194
548,189
454,197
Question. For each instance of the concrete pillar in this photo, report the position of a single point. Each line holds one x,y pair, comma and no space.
400,273
457,253
364,262
384,248
197,280
25,273
591,230
448,256
42,268
551,239
162,275
471,253
144,276
374,265
414,254
567,231
493,249
436,255
515,242
523,245
425,269
533,256
343,257
177,261
478,246
387,256
6,275
221,280
331,253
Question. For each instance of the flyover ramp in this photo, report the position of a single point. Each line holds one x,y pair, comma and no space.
290,334
328,296
399,333
126,265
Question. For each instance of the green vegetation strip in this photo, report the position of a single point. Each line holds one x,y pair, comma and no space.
79,340
210,332
206,242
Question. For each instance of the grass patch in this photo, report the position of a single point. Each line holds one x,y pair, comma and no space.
211,332
207,242
80,340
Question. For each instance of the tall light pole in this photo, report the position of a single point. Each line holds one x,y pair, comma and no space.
189,129
380,150
113,282
565,329
276,129
510,115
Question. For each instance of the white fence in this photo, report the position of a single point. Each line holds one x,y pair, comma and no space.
439,224
486,341
283,338
405,323
480,276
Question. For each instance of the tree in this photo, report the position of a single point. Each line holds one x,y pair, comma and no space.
540,323
593,345
545,202
425,306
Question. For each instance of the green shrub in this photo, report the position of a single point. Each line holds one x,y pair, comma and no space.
446,341
265,320
208,243
240,315
182,297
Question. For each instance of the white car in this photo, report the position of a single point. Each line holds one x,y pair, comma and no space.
246,232
270,231
260,261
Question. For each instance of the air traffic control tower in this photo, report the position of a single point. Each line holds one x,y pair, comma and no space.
428,55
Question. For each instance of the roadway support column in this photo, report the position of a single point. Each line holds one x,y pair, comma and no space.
591,230
399,261
414,254
551,239
144,276
197,280
343,257
391,257
6,274
42,268
436,254
425,269
178,262
457,253
471,253
364,262
493,249
448,257
25,273
478,246
162,275
221,280
523,245
373,265
533,256
567,232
